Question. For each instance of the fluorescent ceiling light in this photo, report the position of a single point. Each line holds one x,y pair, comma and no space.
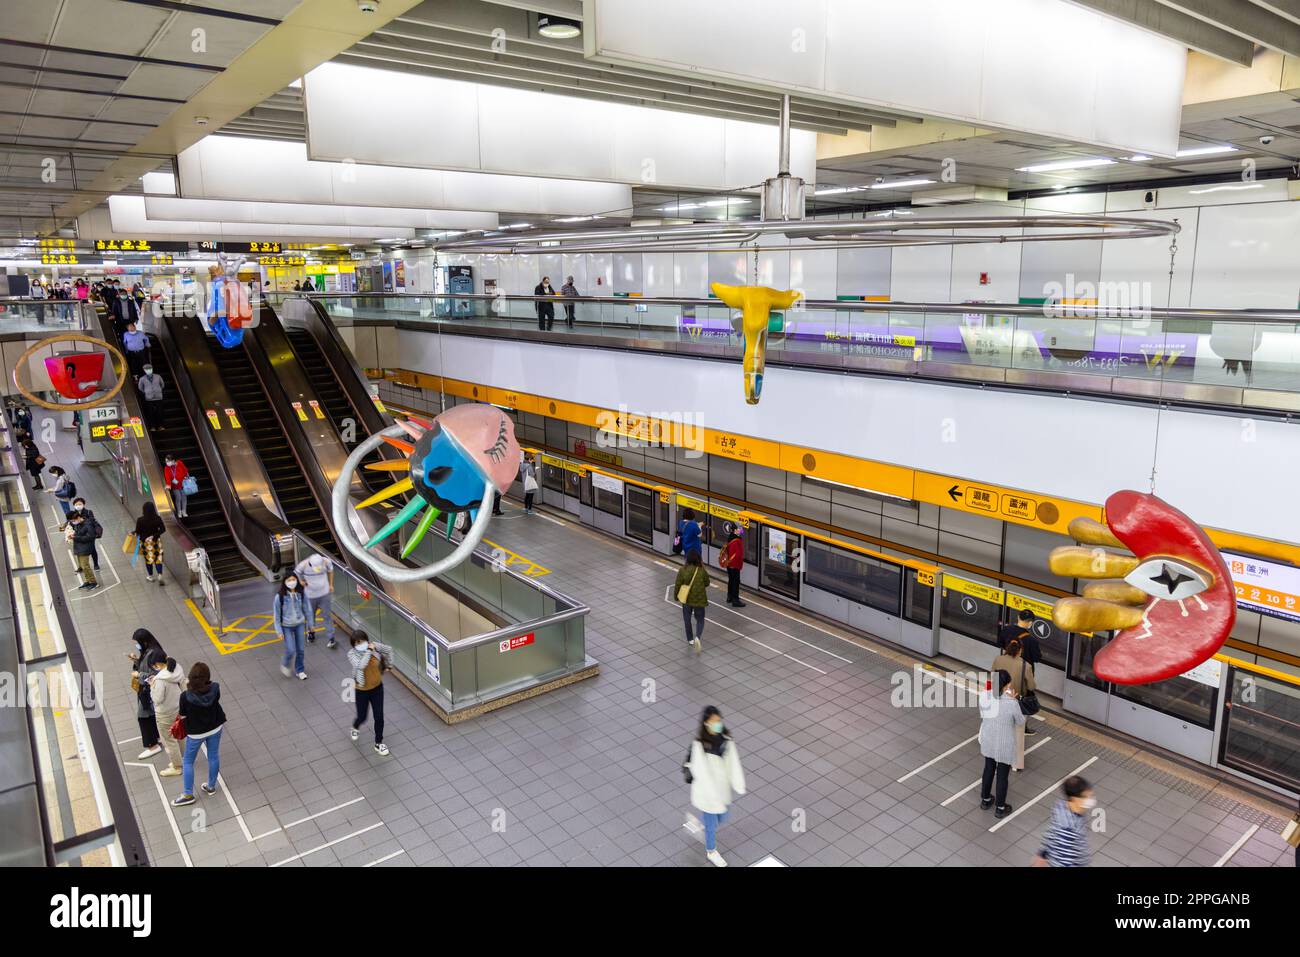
1217,189
557,28
1138,158
1206,150
575,219
832,190
517,226
1066,164
899,184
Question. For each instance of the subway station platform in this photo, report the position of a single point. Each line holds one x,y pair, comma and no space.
589,775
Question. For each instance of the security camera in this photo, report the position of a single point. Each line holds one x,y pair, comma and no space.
1265,140
367,6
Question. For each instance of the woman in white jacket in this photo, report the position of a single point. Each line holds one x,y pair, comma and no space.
165,688
714,773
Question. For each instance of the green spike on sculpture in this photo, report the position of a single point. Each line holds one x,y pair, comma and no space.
451,523
398,520
426,520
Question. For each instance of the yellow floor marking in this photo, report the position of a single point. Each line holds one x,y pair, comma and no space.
263,625
526,567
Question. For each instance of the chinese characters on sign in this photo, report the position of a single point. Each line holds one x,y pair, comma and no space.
1267,587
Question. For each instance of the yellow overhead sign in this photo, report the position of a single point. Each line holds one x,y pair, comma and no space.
995,501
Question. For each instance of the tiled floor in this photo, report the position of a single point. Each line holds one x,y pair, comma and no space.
589,775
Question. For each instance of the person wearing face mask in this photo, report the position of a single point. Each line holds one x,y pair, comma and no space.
142,676
165,690
1000,716
545,310
290,614
1065,842
174,475
151,394
149,529
369,660
713,771
88,515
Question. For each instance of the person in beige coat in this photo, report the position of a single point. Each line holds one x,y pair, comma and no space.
166,687
1022,679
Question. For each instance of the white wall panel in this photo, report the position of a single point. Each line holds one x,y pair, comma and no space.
1142,265
812,271
309,214
921,273
863,272
128,217
627,273
732,269
691,275
1246,257
657,275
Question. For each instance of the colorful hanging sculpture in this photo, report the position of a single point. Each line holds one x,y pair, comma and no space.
73,375
453,464
229,308
1172,599
756,304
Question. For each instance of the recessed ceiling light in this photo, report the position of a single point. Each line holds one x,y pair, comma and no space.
1066,164
899,184
557,28
1206,150
201,120
1138,158
1217,189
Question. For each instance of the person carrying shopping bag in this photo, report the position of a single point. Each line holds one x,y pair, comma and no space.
176,476
204,720
715,775
692,591
149,529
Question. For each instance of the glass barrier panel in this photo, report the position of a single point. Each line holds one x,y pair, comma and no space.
1180,697
919,604
965,609
1083,649
1261,733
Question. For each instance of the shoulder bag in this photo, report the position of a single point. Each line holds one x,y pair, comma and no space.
177,730
684,592
1029,705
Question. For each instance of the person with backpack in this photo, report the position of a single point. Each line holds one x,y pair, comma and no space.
692,591
369,660
149,529
1000,714
142,676
289,612
1023,631
732,557
200,707
174,475
83,546
1065,842
64,490
151,396
688,533
79,506
713,771
165,689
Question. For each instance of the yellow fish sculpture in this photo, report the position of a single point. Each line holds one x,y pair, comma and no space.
755,304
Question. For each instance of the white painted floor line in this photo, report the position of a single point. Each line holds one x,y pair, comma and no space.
310,817
167,809
553,521
777,651
117,579
665,565
230,799
726,607
769,861
337,840
1041,794
934,761
959,680
1227,855
968,788
808,624
386,857
129,740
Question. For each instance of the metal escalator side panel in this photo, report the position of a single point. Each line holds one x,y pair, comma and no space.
348,373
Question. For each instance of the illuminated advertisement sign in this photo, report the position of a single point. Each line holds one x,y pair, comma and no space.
1269,588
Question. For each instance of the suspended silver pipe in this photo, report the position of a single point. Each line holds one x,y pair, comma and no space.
783,158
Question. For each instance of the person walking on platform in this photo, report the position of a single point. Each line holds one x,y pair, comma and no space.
142,675
732,558
63,492
33,461
150,385
79,506
83,546
713,771
528,473
149,529
289,611
1065,842
688,533
369,660
692,590
317,575
165,689
200,706
1000,714
570,292
1012,660
545,310
174,475
23,419
136,344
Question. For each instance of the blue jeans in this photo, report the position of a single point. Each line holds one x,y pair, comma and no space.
295,637
192,745
321,603
711,822
65,505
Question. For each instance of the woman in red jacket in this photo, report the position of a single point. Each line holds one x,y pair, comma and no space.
732,557
174,474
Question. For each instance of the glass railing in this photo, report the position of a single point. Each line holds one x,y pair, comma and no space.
1166,352
44,315
474,635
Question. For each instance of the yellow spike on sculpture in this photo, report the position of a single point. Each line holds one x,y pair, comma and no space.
391,465
756,304
397,488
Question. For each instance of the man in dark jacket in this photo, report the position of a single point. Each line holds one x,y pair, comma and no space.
1023,631
79,505
83,546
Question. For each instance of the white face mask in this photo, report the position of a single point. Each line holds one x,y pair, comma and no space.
362,645
1088,803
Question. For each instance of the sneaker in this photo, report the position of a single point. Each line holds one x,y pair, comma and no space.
169,772
694,827
183,800
311,637
985,803
1002,811
740,604
354,734
160,579
90,585
331,643
150,752
284,670
84,585
1029,732
715,858
208,789
302,676
696,644
148,578
381,750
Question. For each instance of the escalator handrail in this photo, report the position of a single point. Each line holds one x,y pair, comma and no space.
349,375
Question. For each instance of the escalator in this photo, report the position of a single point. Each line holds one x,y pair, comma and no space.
259,420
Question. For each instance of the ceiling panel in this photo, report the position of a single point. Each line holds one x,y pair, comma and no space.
225,40
107,26
173,82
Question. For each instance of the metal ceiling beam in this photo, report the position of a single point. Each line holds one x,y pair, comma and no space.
1283,8
1246,20
1196,34
131,58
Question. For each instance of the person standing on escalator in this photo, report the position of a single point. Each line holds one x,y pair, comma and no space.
151,395
136,344
174,475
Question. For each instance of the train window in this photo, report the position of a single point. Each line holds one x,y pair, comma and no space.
1261,733
968,614
920,601
640,513
777,569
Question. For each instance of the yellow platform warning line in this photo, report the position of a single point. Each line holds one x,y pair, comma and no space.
513,560
243,633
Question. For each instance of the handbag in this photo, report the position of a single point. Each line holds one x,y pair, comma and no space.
177,730
131,543
530,484
190,486
684,592
1029,705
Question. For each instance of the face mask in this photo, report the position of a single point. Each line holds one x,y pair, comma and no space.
1088,803
362,645
715,727
148,370
137,647
291,585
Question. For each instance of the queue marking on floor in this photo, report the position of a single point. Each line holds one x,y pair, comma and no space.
1041,794
337,840
726,607
167,809
1227,855
934,761
304,820
976,783
531,568
387,857
777,651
